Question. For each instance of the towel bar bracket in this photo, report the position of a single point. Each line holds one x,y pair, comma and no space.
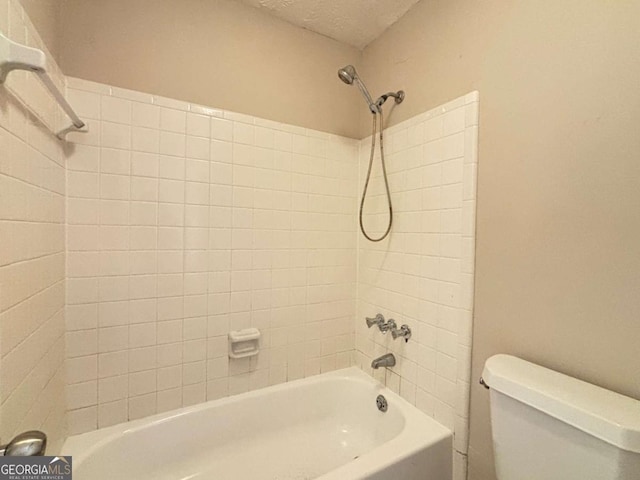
14,56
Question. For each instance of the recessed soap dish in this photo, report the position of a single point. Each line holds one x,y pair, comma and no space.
244,343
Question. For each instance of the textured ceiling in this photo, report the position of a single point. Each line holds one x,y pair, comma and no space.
355,22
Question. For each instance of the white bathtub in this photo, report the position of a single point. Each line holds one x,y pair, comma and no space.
326,427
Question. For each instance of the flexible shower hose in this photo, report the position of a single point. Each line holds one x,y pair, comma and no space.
386,181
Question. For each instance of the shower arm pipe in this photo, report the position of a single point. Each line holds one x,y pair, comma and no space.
14,56
398,96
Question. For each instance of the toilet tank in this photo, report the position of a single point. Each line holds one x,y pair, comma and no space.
549,426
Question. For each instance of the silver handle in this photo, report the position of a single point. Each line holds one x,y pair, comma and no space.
404,331
390,326
377,320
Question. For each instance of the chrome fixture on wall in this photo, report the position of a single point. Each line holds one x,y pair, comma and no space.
389,326
386,360
403,332
28,444
349,76
379,320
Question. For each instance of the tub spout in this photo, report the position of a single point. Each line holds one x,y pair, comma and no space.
387,360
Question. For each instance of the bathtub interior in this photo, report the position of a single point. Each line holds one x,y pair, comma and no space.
291,433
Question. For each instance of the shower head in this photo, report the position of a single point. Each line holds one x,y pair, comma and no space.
349,75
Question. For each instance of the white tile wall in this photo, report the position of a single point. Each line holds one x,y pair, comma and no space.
185,222
422,274
32,189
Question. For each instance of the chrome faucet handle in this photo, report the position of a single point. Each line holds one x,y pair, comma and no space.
389,326
404,332
377,320
28,444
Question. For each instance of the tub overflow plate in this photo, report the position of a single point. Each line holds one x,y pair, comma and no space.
382,404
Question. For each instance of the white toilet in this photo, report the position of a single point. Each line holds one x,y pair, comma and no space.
549,426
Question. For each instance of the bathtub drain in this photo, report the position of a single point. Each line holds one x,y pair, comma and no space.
382,404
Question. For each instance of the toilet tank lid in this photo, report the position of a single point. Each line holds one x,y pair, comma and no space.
602,413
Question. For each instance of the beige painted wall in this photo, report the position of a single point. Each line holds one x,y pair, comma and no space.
219,53
558,245
44,15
